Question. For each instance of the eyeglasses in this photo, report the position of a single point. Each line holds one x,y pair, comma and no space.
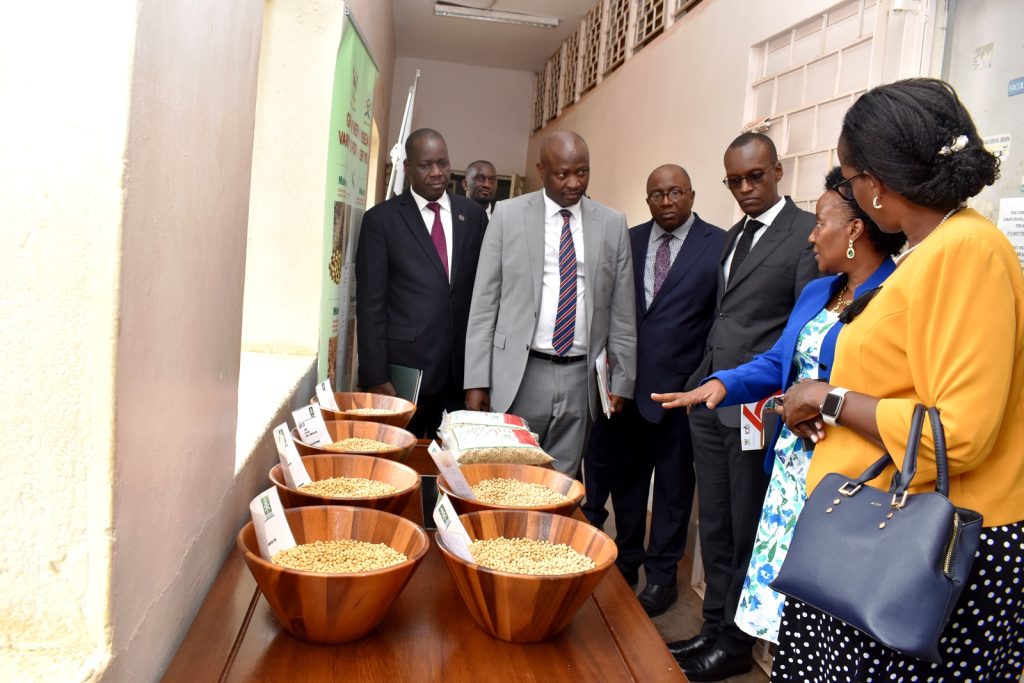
675,194
755,177
844,188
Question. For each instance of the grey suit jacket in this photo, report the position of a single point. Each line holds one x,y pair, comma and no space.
507,291
754,307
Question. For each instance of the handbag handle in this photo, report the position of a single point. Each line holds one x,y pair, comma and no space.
901,480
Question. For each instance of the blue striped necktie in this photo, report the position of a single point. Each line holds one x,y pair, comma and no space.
565,319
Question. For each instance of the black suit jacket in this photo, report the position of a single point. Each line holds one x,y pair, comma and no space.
407,312
671,333
754,307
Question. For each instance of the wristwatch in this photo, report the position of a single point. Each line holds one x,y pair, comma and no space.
833,405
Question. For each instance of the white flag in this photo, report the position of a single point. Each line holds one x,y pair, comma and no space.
397,182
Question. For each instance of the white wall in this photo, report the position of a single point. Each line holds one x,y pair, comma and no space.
678,100
483,113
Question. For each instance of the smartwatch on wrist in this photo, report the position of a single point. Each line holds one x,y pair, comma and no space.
833,405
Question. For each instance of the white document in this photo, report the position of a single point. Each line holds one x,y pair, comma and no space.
310,423
325,395
1011,222
295,474
752,424
449,526
272,531
446,463
603,387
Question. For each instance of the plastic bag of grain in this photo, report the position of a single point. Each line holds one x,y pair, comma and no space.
471,443
476,417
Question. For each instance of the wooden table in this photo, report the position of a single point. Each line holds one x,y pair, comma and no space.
427,636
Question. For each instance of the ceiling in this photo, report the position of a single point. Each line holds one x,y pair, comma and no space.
418,33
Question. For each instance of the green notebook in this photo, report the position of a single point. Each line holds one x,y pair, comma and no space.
406,381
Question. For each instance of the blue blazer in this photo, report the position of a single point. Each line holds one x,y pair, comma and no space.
671,333
773,370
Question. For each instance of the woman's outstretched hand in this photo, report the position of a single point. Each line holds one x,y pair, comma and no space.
710,394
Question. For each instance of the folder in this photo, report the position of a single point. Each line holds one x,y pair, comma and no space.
406,381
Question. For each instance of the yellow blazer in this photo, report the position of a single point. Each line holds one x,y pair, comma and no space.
947,330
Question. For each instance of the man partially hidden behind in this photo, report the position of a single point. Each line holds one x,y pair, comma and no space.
481,184
415,267
675,270
554,288
766,262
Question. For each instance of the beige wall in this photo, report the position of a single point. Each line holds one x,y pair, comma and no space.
679,100
286,223
481,112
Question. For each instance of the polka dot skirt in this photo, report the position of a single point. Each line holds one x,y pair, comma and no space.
982,643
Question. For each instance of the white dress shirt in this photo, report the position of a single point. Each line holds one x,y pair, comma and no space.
550,282
446,221
765,218
674,245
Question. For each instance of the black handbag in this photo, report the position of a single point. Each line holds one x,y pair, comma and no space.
888,563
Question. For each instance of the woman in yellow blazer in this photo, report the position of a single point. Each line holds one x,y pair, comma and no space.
945,330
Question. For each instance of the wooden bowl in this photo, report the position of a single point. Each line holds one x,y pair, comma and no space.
531,474
326,466
522,608
335,608
401,441
401,410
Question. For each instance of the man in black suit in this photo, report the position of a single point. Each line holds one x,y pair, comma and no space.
675,270
481,184
415,267
764,266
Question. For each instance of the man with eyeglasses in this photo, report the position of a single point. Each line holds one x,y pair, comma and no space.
675,272
481,184
766,262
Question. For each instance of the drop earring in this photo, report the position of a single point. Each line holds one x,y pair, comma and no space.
850,253
875,203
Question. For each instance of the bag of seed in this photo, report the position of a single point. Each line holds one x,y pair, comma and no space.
475,417
472,443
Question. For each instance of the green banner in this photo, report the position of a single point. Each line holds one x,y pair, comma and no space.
348,157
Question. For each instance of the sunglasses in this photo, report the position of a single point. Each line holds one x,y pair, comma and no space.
844,188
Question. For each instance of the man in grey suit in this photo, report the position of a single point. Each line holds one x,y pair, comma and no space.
554,287
765,264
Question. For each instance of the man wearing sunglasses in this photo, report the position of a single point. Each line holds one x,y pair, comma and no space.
764,265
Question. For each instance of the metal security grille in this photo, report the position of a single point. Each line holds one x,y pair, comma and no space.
552,78
537,118
650,21
591,46
571,68
617,35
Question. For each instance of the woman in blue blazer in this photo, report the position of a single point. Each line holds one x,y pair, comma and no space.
850,247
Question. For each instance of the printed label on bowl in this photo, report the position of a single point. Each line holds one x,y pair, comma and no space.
453,534
295,474
446,463
272,531
325,395
310,423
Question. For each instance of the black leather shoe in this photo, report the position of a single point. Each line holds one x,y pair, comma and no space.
691,647
716,665
656,599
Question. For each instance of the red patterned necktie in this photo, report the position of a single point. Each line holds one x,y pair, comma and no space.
437,235
565,319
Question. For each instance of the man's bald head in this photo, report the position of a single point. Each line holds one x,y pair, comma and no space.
564,167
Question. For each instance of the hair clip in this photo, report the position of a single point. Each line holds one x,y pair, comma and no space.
958,144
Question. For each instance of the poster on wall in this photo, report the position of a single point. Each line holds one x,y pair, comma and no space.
348,157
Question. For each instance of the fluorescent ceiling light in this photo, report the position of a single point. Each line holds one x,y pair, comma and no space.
445,10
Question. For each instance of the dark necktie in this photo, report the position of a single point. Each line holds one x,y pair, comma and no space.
661,264
565,318
743,246
437,235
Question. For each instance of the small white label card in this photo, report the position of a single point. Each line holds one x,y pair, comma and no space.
752,425
310,423
445,462
272,530
325,395
450,527
295,474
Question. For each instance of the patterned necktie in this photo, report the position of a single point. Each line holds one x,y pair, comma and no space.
743,246
565,319
437,235
661,264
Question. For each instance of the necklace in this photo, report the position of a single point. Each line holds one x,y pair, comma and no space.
905,252
842,303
